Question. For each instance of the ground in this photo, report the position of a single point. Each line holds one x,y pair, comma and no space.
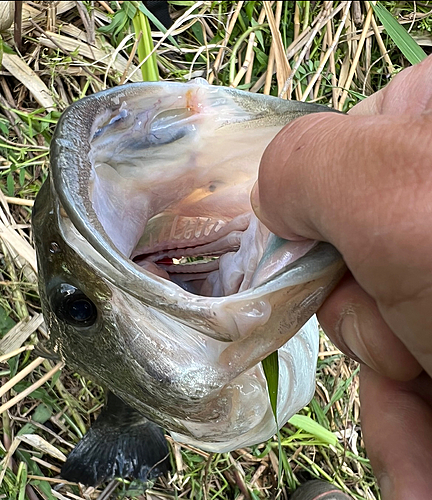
333,53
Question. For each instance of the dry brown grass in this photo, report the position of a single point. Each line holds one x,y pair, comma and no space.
329,52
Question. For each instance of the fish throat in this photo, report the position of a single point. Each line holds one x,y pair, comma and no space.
199,253
171,189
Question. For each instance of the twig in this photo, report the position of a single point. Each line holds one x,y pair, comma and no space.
11,354
13,120
22,145
69,400
323,18
221,52
324,47
18,297
88,25
296,21
51,39
327,54
247,63
130,59
382,47
106,7
30,389
237,45
356,58
18,25
283,69
19,201
20,375
49,479
303,38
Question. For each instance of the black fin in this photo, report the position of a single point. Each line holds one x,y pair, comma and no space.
121,443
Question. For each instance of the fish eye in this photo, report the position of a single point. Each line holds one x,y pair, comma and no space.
72,306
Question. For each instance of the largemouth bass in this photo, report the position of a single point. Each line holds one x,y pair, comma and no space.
158,281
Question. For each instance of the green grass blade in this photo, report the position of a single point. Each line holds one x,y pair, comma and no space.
404,41
311,427
271,371
149,69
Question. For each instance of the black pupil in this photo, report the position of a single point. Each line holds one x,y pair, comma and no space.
71,305
81,310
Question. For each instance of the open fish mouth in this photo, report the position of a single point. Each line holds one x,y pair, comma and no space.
149,207
170,186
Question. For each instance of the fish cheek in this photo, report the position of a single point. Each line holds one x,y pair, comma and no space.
76,304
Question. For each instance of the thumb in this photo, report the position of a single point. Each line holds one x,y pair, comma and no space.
362,183
345,179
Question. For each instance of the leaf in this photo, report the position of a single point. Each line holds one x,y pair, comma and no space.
4,128
129,9
149,69
43,445
404,41
39,393
119,20
27,429
261,56
122,23
4,49
10,185
42,413
271,371
258,34
311,427
22,176
13,365
198,32
22,479
44,487
180,3
6,322
249,8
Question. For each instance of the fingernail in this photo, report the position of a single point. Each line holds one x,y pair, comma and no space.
351,336
254,199
386,487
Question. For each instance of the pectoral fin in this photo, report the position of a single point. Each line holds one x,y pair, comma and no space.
121,443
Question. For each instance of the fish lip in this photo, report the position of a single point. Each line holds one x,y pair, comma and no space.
70,175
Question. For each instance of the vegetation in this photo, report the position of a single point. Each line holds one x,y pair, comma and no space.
334,53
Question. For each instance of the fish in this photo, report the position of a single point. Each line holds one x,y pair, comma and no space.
158,281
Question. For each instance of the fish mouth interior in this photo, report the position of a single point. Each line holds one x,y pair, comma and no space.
171,188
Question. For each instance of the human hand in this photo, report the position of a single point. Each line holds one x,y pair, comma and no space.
363,182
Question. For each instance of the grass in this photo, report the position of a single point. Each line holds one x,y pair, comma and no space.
334,53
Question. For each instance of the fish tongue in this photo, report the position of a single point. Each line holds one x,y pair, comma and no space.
234,262
171,231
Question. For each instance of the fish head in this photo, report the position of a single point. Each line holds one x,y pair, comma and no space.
156,278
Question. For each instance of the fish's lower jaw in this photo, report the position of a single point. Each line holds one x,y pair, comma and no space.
240,414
